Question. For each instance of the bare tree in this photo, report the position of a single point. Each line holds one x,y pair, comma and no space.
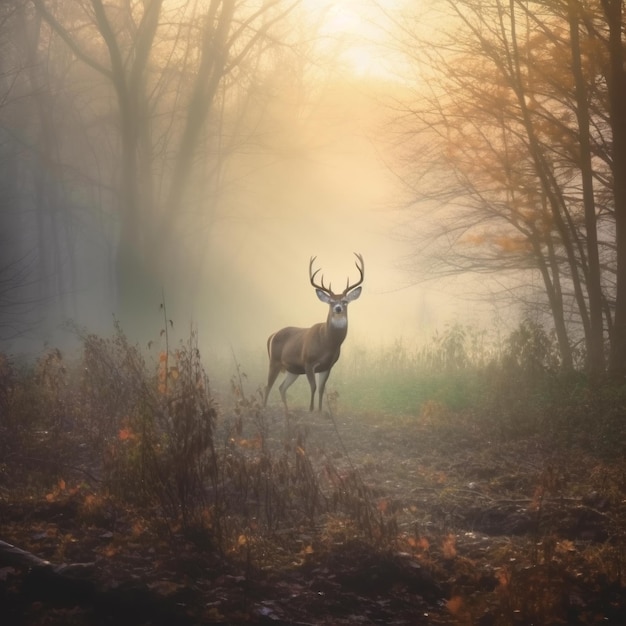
518,112
616,83
34,273
167,67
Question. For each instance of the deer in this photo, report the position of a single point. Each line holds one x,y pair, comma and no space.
316,349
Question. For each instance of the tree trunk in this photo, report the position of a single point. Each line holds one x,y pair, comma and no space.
550,187
550,272
616,80
595,336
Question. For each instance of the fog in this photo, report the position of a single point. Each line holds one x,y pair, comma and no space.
333,201
310,169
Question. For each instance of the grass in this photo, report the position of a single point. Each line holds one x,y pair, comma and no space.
399,378
403,392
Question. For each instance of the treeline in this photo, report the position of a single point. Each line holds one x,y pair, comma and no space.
126,130
518,135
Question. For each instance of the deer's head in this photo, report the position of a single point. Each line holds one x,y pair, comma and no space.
338,302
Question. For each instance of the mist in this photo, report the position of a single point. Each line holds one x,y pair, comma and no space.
294,160
180,181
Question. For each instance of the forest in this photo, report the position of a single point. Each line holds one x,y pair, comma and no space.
168,169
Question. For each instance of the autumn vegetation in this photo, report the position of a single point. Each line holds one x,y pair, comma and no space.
517,134
459,483
467,479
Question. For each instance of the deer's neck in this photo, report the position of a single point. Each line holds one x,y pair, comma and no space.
336,328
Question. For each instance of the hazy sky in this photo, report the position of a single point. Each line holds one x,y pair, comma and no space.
339,199
324,186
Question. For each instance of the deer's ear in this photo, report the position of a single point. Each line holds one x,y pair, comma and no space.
322,295
354,294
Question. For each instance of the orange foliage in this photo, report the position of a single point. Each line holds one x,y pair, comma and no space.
126,434
138,528
448,546
57,491
110,551
504,578
420,544
511,244
455,604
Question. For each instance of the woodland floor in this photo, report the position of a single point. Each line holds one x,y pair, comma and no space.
481,528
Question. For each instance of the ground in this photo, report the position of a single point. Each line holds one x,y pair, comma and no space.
465,525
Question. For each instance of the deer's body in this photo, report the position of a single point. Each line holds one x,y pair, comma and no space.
312,350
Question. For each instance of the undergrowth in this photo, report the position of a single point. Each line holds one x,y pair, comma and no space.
144,431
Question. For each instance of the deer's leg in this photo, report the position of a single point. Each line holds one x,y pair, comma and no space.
310,374
275,368
323,377
289,380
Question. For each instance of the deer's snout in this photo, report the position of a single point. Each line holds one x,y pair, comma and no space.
338,308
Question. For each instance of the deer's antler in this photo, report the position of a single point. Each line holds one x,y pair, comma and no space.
313,274
360,265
